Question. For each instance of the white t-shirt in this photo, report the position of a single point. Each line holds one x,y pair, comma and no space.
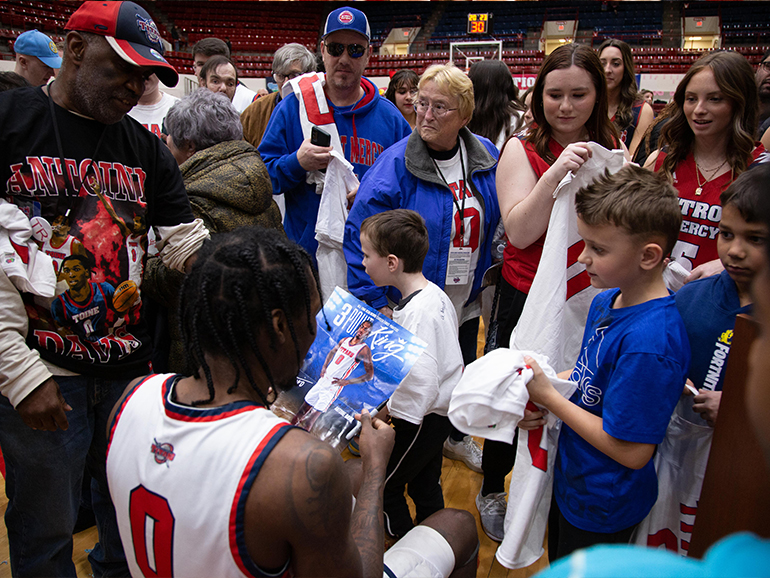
428,386
243,98
473,233
151,116
501,138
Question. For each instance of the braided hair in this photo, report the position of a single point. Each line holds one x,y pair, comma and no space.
238,279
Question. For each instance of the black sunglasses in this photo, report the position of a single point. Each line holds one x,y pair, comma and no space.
336,49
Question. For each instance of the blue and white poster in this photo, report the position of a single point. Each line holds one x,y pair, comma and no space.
357,360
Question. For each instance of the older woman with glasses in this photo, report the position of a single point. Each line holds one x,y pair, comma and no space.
447,174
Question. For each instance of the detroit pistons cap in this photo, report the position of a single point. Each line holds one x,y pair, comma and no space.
346,18
129,30
37,44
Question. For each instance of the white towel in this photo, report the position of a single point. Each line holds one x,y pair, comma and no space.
330,225
333,186
490,397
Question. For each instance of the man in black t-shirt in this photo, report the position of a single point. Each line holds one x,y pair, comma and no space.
62,144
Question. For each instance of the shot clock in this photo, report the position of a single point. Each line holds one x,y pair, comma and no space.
480,23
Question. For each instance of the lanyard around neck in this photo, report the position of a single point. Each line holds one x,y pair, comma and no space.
72,194
464,181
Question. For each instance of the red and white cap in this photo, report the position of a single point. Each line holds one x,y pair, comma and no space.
129,30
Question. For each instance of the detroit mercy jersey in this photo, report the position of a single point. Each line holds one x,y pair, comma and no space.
175,518
325,391
466,208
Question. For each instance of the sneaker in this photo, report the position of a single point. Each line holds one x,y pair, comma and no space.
466,451
492,512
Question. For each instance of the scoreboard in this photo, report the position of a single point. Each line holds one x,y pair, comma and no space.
480,23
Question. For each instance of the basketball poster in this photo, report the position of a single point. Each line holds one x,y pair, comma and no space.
357,360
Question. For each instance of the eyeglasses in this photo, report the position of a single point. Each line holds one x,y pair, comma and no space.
336,49
765,65
291,76
439,110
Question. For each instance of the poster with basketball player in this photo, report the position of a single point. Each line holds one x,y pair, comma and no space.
357,360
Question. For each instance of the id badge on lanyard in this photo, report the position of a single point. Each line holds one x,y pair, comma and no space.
459,266
458,269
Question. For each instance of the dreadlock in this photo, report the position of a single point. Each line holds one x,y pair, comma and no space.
227,300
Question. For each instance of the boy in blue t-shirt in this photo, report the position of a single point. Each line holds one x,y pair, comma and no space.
631,370
708,308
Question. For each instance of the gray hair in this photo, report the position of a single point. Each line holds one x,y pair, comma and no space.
288,53
203,119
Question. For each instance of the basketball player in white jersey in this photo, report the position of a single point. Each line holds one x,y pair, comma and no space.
60,244
338,366
207,481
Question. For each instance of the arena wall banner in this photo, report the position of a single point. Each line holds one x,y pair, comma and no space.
357,342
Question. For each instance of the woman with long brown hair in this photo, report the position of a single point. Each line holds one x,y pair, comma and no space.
627,109
569,106
707,142
497,114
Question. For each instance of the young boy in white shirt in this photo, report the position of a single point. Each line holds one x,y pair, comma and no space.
394,245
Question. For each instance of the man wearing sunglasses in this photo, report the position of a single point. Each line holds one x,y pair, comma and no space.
366,123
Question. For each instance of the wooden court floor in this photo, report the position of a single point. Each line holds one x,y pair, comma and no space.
460,488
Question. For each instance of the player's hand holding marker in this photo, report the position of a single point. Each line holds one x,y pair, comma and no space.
376,440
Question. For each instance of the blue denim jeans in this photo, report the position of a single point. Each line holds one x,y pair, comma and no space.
44,472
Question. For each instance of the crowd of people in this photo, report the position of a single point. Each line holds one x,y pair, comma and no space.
157,298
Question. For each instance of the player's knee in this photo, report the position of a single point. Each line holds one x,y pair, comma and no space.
458,527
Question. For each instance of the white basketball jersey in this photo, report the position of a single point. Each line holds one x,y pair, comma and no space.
179,478
58,254
325,391
680,463
135,258
529,500
344,361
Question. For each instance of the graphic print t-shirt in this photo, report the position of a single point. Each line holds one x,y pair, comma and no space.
141,187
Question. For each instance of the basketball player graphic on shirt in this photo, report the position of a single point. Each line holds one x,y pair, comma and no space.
61,244
84,306
136,240
338,366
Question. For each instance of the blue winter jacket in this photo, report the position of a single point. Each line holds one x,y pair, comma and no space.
404,177
366,129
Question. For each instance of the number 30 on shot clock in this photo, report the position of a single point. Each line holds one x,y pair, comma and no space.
479,23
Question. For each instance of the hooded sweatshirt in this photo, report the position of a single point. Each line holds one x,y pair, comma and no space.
365,128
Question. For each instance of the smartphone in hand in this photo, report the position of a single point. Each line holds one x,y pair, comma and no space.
320,137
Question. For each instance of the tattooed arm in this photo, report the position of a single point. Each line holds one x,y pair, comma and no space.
299,507
367,525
